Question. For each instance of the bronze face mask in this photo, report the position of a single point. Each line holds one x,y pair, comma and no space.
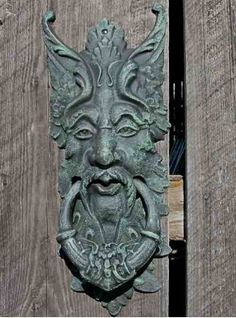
107,112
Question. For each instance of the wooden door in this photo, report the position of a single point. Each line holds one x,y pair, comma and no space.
34,280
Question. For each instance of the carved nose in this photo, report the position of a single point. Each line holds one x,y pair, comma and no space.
104,157
103,151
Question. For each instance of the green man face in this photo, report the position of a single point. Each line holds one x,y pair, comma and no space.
107,113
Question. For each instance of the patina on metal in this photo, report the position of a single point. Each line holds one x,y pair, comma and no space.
107,112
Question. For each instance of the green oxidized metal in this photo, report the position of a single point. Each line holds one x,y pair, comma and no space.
107,112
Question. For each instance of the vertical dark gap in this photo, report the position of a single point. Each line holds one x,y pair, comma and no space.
177,285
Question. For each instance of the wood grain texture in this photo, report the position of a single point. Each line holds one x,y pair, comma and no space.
34,281
24,155
211,165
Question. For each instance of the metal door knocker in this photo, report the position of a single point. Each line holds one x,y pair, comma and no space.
107,112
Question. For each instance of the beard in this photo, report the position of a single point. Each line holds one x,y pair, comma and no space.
108,196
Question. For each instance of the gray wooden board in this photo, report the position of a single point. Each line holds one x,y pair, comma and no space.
33,279
210,40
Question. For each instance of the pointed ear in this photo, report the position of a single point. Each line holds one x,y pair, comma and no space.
71,79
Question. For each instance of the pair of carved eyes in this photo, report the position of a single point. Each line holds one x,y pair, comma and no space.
125,131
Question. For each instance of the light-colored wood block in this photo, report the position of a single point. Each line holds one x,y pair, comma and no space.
176,208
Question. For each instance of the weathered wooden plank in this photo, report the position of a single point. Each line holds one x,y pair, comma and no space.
74,20
211,165
23,162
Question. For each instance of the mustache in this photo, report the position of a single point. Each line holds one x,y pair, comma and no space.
113,174
117,174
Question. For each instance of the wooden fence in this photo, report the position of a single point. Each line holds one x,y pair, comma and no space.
33,279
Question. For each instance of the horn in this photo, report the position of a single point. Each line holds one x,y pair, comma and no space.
71,78
53,43
141,76
155,41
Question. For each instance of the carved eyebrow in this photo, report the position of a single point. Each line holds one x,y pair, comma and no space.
89,114
122,111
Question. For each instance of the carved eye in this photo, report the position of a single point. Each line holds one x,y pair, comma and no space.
127,131
84,133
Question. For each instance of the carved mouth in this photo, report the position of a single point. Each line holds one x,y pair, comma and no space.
105,185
